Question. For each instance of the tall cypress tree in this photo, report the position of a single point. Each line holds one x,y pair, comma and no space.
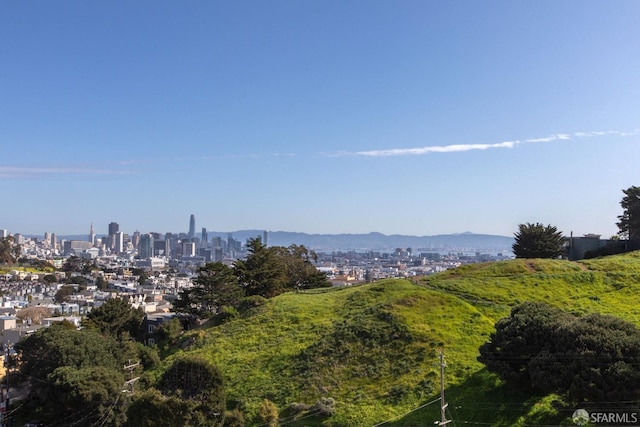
629,224
262,272
538,241
215,287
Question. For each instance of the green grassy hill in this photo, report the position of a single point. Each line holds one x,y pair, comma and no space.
373,348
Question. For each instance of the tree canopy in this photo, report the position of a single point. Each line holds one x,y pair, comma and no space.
215,286
538,241
518,338
79,265
116,318
191,393
593,358
299,268
266,272
151,408
629,221
9,251
93,392
75,375
50,278
63,294
262,272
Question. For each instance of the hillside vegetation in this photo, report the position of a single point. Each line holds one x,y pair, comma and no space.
372,349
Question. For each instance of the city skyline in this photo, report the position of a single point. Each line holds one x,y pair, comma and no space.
409,117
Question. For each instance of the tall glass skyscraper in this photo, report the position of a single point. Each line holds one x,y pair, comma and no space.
114,227
192,227
146,246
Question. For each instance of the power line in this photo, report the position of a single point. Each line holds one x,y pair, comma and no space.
293,418
407,413
106,417
131,381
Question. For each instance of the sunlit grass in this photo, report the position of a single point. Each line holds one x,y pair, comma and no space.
300,347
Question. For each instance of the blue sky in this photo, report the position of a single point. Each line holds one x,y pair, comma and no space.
401,117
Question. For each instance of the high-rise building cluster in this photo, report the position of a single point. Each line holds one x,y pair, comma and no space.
186,247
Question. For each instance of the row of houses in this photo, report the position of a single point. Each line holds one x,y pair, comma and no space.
19,297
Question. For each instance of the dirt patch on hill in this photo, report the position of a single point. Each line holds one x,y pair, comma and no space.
530,266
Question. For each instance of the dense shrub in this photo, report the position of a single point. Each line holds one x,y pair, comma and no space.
518,339
234,418
225,314
74,375
251,302
296,408
594,358
398,392
195,380
268,413
325,406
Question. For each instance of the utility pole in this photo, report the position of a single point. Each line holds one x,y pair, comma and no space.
443,405
131,367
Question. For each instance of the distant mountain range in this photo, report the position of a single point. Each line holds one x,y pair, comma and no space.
462,242
381,242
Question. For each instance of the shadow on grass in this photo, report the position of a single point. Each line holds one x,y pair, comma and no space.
484,400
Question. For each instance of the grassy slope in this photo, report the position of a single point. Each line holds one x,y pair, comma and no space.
5,268
605,285
373,348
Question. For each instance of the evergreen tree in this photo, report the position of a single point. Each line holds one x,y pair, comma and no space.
629,224
215,286
151,408
9,251
116,318
190,393
201,384
538,241
263,272
63,294
76,376
299,264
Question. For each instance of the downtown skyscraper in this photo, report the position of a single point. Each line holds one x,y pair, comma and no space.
192,227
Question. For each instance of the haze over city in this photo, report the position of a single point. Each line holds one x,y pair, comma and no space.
404,117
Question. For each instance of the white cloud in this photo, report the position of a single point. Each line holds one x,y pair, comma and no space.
631,133
608,132
555,137
588,134
17,171
458,148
